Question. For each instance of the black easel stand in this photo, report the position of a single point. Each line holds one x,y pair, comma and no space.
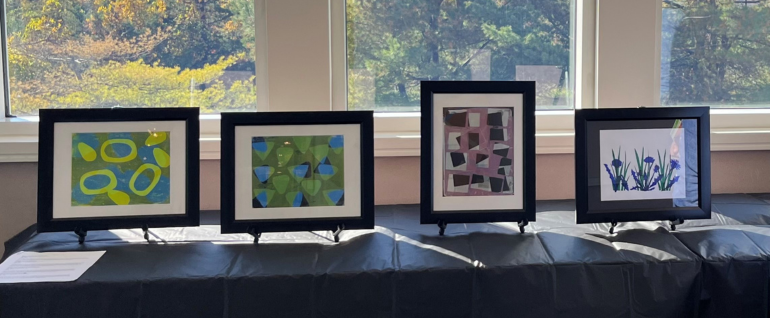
336,234
146,230
524,222
81,235
441,227
253,232
676,222
612,228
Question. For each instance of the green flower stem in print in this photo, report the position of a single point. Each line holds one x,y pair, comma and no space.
128,168
297,171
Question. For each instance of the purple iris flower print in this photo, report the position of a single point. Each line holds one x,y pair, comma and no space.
612,176
618,172
667,173
675,164
649,174
673,181
654,183
636,179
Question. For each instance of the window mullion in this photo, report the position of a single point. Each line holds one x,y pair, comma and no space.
585,53
339,67
625,57
5,109
260,37
298,50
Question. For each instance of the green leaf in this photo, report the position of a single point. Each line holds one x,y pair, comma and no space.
625,171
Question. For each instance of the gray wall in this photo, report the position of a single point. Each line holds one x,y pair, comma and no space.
397,181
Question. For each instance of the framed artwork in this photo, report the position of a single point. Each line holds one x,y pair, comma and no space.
478,152
102,169
642,164
297,171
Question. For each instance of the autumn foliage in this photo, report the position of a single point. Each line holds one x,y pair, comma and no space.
201,53
131,53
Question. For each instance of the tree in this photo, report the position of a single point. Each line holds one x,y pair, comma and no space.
137,84
242,25
401,42
720,52
133,53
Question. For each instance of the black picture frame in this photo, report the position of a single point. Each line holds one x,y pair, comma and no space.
228,196
427,213
49,117
626,116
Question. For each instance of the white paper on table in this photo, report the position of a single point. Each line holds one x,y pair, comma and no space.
33,267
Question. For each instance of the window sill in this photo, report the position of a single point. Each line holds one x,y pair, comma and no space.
24,148
397,135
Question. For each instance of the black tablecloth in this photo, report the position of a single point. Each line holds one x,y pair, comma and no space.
707,268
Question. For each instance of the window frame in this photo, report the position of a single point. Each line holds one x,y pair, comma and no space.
339,73
731,129
398,134
5,105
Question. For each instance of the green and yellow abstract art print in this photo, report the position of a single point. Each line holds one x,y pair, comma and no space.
122,168
298,171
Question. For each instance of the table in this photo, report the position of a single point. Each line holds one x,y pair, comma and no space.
707,268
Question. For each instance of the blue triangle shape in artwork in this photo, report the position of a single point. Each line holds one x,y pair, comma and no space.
301,170
325,170
335,195
337,141
262,197
260,146
297,200
262,173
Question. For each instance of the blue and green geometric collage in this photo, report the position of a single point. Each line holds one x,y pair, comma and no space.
298,171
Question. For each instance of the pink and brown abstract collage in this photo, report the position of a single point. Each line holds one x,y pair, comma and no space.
478,151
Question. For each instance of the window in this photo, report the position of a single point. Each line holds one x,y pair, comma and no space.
130,53
715,53
394,44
